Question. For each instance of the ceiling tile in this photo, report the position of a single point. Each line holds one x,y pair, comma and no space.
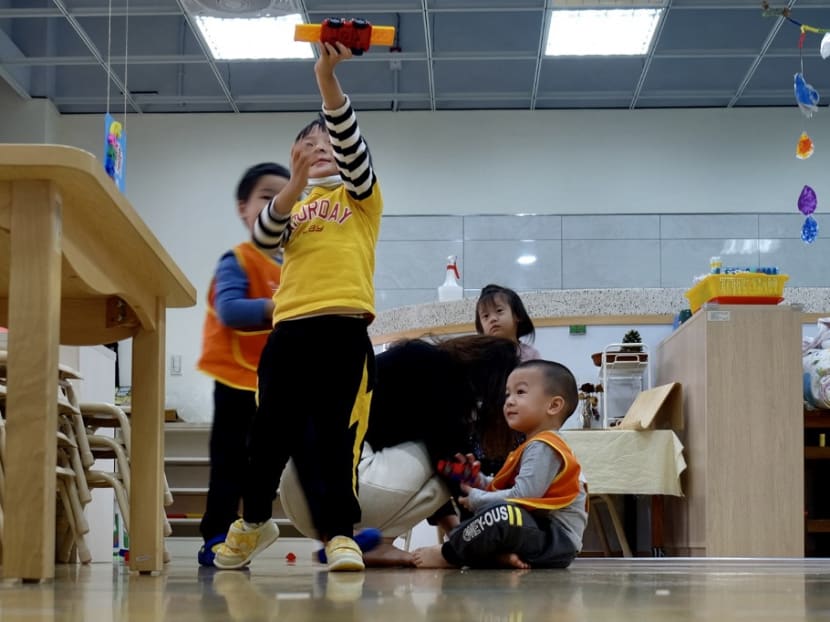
590,74
484,56
476,76
488,33
714,29
696,74
342,9
517,103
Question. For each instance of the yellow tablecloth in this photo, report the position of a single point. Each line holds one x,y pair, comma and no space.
622,462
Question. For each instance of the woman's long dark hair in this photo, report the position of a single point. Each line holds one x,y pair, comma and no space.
487,362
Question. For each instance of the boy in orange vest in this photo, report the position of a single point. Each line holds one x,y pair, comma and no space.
533,512
237,324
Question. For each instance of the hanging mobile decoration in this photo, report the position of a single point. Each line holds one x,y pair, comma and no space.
115,135
807,98
114,148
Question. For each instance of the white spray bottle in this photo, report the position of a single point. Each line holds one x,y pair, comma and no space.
451,290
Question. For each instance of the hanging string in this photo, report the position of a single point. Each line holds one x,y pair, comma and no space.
801,49
126,56
109,52
801,61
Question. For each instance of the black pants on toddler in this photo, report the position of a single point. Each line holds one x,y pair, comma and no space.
233,411
315,387
508,528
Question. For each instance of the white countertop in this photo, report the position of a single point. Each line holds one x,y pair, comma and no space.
571,303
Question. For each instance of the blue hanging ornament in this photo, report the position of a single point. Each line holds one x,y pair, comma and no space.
806,96
809,230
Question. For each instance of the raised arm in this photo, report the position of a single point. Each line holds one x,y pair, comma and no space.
350,150
351,153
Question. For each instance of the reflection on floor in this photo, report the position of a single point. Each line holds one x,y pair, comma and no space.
276,589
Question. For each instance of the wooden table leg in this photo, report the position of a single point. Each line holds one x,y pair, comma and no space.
31,406
147,450
657,539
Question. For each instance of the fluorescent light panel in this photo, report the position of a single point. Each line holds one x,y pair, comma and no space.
253,38
600,32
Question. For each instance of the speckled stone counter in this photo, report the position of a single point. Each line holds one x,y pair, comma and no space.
659,304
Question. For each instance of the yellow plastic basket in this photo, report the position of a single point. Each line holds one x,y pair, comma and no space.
747,288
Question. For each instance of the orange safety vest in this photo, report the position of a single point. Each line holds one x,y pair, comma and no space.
564,488
231,355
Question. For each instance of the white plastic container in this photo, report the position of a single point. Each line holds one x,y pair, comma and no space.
450,289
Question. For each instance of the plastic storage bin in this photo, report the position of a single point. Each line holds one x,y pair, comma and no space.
747,288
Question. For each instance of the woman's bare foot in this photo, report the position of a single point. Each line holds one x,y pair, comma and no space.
430,557
385,555
511,560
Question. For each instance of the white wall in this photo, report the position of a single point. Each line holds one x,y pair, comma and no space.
25,121
182,170
581,161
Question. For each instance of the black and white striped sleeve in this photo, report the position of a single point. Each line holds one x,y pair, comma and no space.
350,151
270,229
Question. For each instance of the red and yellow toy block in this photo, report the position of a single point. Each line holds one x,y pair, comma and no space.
357,34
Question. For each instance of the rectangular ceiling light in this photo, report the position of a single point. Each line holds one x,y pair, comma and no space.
253,38
601,32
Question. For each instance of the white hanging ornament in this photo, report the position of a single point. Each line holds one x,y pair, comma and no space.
825,46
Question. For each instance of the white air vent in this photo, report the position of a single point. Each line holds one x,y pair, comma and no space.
241,8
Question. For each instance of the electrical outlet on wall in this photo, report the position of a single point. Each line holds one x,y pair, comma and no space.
175,364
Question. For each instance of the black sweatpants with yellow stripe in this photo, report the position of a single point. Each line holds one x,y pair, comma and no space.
508,528
315,380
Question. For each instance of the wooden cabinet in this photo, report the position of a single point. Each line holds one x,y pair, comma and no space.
816,476
740,367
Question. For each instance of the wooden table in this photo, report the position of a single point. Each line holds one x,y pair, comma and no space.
81,268
632,462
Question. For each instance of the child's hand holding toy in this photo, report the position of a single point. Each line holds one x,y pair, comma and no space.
464,469
356,34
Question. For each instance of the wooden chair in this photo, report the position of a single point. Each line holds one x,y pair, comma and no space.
97,415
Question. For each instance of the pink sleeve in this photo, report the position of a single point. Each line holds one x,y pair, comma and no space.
527,352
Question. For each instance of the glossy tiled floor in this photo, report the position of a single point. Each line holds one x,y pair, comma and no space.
592,589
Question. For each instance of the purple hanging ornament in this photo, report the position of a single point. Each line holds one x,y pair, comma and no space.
807,203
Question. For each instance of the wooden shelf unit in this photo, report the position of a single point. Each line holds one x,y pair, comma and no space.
187,466
740,367
816,474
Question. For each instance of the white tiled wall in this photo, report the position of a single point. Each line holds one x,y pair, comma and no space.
582,251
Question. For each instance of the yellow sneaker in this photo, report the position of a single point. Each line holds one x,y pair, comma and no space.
344,555
243,543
